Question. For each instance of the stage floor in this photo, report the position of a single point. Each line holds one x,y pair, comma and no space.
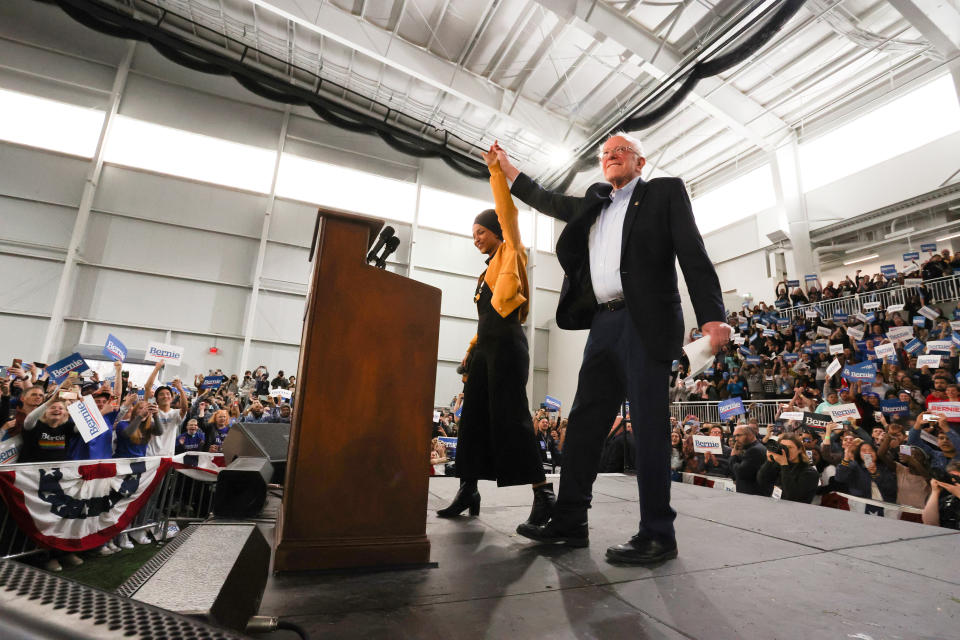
749,567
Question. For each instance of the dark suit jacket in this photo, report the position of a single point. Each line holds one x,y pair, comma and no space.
658,229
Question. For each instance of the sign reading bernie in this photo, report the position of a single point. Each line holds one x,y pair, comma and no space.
166,353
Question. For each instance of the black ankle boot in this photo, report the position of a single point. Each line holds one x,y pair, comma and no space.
467,498
543,501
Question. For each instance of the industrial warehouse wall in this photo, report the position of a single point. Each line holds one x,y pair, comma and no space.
175,258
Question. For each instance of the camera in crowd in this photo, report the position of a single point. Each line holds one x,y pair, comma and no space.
941,475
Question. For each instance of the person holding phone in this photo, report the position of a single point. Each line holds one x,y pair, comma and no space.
48,429
943,505
166,422
496,438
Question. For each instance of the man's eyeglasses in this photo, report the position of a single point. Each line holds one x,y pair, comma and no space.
617,151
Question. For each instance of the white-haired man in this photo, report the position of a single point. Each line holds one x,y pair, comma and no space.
618,253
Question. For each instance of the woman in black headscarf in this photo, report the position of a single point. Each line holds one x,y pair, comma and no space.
496,440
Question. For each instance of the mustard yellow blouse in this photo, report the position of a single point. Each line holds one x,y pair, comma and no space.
506,274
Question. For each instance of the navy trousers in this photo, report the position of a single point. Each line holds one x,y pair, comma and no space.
616,365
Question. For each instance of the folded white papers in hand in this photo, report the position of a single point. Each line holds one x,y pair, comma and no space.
700,354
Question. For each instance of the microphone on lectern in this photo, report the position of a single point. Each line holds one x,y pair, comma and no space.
392,245
385,235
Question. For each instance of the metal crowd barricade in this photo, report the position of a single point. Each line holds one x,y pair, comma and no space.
765,411
181,496
944,289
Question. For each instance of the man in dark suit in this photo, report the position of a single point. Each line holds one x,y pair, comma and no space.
618,253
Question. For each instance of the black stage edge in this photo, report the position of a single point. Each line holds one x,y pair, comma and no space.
749,567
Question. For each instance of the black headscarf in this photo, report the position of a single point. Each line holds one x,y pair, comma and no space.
489,220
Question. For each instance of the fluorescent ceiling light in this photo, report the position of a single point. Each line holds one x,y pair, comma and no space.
862,259
952,235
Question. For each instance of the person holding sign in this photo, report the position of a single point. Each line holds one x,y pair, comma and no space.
496,439
619,251
788,467
101,447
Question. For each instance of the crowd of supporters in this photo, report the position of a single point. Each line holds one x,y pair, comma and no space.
36,424
936,265
896,366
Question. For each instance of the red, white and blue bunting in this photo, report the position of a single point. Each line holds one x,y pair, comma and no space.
79,505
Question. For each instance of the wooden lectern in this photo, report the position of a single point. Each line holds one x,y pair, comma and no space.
358,463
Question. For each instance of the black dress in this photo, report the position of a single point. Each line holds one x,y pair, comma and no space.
496,440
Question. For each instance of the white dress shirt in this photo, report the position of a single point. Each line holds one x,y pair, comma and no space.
606,240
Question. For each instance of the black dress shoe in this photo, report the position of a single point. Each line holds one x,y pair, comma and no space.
642,550
557,532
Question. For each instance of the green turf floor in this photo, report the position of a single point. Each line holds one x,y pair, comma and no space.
109,572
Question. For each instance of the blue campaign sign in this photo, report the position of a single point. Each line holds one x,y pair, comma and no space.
730,408
932,246
819,347
870,317
744,325
913,346
955,338
956,313
889,271
61,369
552,403
861,344
754,360
894,408
783,322
769,332
745,351
810,277
114,349
793,283
839,316
451,445
911,255
859,372
807,350
919,321
212,382
459,410
709,371
790,357
781,304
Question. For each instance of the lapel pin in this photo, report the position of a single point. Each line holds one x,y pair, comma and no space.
636,203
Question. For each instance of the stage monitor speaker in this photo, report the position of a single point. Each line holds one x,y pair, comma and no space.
212,571
269,440
37,604
242,488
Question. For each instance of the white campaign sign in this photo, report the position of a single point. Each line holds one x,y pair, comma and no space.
870,306
738,339
281,393
707,444
87,417
824,331
939,345
855,332
166,353
885,351
900,333
812,314
929,361
927,312
834,367
791,415
895,307
835,349
955,325
843,411
948,409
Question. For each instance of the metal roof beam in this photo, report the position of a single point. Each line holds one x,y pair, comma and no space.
720,100
937,21
378,44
